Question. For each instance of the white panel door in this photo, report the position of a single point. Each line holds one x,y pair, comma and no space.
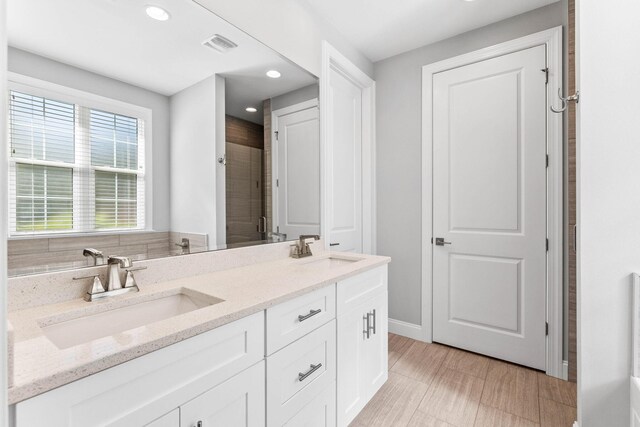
297,178
489,202
344,155
238,402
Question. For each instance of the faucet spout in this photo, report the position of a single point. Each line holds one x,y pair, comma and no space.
113,271
95,254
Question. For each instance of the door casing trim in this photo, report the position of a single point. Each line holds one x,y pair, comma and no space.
552,39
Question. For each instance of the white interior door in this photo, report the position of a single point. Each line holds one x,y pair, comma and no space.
297,179
344,153
489,202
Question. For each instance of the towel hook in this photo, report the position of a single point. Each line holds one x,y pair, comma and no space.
575,97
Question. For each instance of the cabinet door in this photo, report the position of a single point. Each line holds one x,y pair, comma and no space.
362,357
351,339
172,419
238,402
375,355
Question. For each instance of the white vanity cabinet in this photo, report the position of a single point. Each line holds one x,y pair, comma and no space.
361,340
315,360
304,365
138,392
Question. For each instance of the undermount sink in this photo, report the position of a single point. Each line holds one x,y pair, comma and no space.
91,327
329,262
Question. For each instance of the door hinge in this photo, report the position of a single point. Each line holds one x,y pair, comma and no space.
546,75
546,328
547,160
547,245
276,134
277,183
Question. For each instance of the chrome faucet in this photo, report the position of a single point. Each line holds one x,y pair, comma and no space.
114,264
95,254
185,245
114,285
301,248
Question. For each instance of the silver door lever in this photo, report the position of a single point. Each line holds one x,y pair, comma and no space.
440,241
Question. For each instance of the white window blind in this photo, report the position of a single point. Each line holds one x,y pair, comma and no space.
73,168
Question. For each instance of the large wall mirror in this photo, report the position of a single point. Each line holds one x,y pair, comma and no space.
150,132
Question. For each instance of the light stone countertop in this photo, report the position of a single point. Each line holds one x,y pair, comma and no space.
40,366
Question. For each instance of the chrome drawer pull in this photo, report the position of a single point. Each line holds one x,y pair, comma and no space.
302,318
303,376
367,326
373,314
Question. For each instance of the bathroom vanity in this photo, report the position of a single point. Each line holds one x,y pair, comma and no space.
281,342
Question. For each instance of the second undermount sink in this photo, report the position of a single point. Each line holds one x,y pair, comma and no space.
91,327
329,262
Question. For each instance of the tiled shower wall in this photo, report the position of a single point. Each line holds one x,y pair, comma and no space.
39,254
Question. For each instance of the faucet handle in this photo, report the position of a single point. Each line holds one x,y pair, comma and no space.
96,286
125,262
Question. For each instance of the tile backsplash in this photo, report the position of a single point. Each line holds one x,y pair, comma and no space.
41,254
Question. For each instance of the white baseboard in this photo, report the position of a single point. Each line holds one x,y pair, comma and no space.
575,424
406,329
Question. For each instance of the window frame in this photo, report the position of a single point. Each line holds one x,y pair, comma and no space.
84,224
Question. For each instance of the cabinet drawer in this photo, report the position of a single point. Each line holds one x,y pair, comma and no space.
293,319
320,412
299,372
355,290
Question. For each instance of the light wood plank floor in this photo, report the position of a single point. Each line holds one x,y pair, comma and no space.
433,385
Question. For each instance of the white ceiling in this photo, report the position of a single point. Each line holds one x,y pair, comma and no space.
115,38
383,28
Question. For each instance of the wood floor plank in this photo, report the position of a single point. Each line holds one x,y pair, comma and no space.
555,414
420,419
421,361
557,390
453,397
492,417
467,363
512,389
394,404
398,345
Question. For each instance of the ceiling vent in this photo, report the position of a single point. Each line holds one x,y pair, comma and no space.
220,43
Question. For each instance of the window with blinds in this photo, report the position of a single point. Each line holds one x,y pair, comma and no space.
73,168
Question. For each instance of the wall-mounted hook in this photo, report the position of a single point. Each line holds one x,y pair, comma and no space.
564,101
223,160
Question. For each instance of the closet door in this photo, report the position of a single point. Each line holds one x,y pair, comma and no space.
348,133
344,182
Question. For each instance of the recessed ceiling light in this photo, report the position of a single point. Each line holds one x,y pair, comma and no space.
274,74
157,13
251,109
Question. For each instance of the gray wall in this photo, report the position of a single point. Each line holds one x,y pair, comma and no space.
398,121
295,97
41,68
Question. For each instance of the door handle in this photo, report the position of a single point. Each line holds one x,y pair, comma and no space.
440,241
